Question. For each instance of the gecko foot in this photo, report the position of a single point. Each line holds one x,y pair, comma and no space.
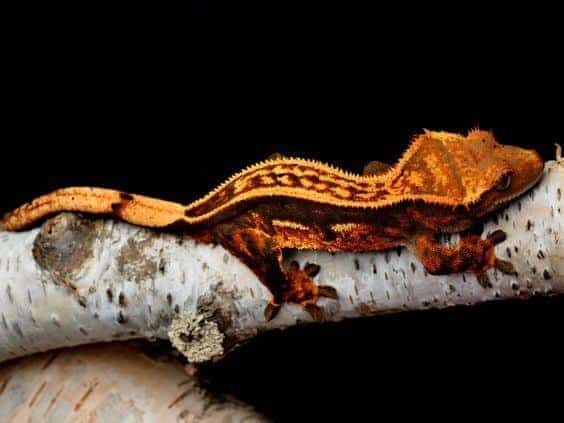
472,254
301,289
304,291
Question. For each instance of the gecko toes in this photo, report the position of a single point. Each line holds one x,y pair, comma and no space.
497,236
301,289
505,267
314,311
484,280
328,292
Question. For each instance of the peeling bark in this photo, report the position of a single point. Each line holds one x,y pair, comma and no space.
110,383
78,280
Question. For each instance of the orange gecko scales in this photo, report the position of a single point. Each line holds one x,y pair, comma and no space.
444,182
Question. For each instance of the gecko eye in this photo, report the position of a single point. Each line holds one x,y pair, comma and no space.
504,183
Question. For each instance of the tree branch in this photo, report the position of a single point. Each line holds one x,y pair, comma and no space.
76,280
111,382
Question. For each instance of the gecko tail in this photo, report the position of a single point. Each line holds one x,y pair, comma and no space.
132,208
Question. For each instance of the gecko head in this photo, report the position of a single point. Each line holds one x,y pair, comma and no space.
504,172
479,172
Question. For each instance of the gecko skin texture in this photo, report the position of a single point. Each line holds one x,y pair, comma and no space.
444,182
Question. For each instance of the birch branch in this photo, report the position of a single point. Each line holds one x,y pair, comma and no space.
78,280
119,382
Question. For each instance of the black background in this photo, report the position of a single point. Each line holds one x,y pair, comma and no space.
173,119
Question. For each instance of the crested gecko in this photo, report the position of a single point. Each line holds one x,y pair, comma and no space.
443,183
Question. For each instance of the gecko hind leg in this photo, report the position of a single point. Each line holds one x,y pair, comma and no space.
251,242
303,289
300,288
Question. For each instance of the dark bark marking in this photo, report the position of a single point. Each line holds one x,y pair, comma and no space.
36,395
53,401
84,397
546,275
9,293
180,397
121,299
4,322
3,385
50,360
17,329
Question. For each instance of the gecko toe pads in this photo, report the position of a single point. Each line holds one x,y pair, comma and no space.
301,289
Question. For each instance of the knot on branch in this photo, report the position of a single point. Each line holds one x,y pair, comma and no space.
197,337
63,246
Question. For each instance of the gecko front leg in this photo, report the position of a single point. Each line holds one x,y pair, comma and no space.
250,238
471,254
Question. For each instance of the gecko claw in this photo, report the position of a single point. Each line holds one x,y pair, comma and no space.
484,280
327,292
505,266
271,311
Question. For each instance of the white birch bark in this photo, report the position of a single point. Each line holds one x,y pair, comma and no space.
102,280
117,382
